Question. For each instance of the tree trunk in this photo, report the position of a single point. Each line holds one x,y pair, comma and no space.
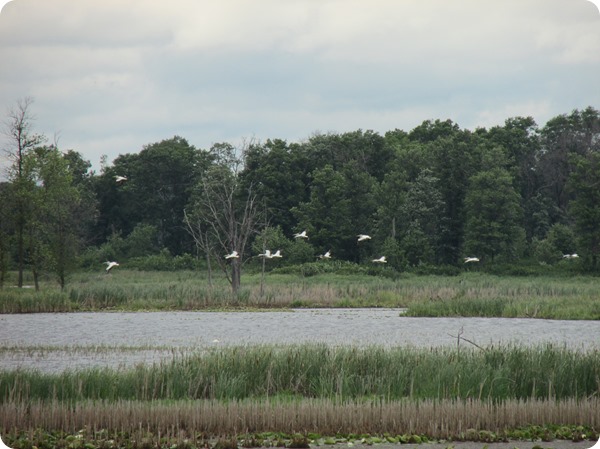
262,276
209,269
235,277
36,280
21,251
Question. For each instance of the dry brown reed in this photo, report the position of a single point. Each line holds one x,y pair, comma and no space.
437,419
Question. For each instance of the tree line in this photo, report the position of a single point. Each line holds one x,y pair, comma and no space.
427,197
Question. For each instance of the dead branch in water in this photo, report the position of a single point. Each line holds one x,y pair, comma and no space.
459,337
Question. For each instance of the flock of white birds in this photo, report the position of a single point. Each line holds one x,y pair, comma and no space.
302,235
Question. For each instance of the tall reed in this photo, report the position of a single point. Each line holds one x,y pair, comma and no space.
321,371
448,419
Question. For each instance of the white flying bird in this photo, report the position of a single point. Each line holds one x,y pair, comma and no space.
380,260
301,235
120,179
110,265
327,255
570,256
471,259
362,237
267,254
233,255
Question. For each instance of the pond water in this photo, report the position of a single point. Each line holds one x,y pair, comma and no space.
54,342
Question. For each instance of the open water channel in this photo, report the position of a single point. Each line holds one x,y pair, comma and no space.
55,342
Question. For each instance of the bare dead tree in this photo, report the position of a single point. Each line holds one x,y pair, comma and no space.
231,224
226,215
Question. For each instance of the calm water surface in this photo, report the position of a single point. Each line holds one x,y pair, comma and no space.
54,342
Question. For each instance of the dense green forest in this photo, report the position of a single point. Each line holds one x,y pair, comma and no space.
517,194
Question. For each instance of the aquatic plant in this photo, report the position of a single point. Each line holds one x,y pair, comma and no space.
319,371
258,421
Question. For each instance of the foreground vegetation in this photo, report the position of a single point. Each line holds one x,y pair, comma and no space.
211,424
319,371
310,393
466,294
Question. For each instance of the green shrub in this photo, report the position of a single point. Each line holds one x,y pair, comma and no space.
438,270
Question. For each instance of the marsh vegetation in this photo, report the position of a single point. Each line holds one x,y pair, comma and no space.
268,395
436,393
468,294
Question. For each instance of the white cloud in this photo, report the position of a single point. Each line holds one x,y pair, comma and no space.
115,75
496,117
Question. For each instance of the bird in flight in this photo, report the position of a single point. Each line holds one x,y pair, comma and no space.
267,254
233,255
363,237
327,255
570,256
110,265
380,260
120,179
301,235
471,259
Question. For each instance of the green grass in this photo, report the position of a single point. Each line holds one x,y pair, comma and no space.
320,371
468,294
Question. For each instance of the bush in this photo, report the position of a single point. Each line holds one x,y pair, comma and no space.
545,252
341,267
163,261
518,269
156,262
439,270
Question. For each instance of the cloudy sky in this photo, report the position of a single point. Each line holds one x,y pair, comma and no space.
110,76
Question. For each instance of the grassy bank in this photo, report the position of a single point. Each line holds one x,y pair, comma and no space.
469,294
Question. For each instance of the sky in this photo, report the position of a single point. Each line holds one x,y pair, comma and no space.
110,77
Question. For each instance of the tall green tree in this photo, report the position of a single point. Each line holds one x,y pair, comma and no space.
160,181
422,215
390,197
493,214
55,230
278,173
521,140
430,131
454,159
342,205
83,178
5,230
367,149
562,138
585,207
325,216
22,140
